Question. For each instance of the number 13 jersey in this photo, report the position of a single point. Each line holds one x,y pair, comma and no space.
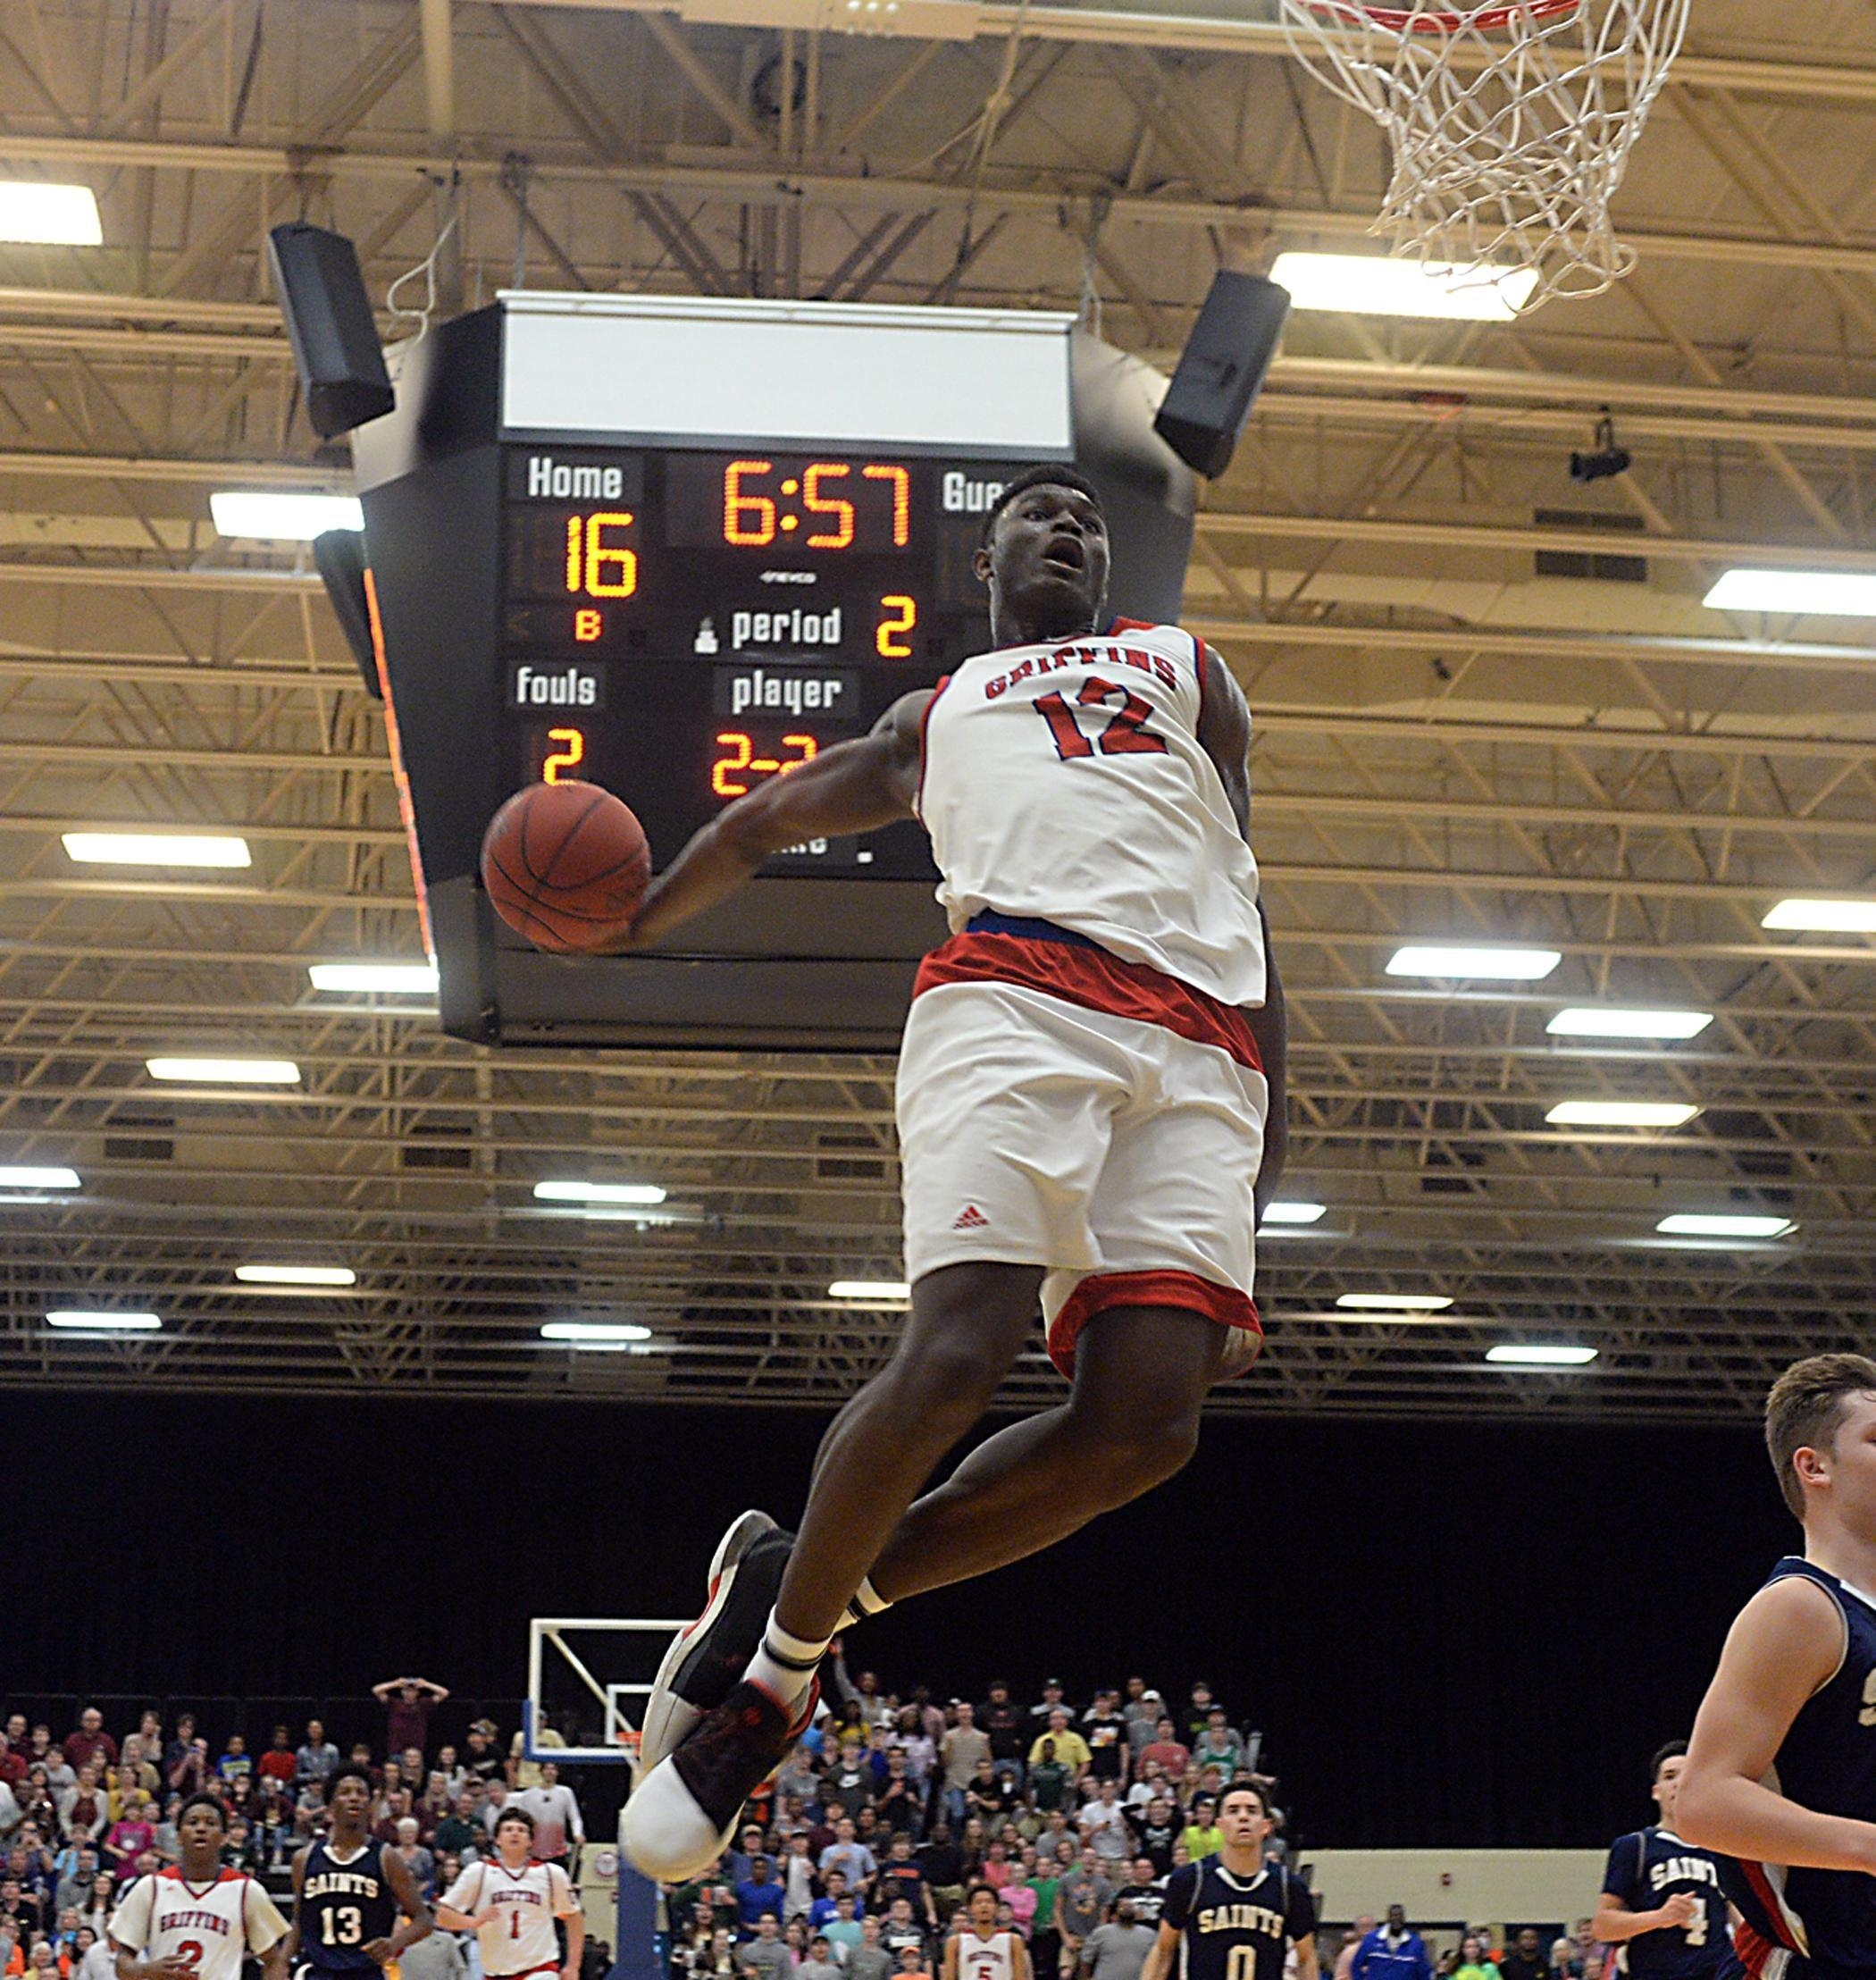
1065,783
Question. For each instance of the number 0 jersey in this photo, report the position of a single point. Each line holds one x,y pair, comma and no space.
1065,783
345,1902
1235,1929
1646,1869
1819,1924
210,1927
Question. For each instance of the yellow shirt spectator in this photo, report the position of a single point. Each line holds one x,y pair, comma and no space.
1202,1842
1071,1749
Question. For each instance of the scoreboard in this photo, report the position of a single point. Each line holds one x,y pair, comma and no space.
679,547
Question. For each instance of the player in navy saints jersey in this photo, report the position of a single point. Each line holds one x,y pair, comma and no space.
1090,1104
348,1891
1781,1774
1233,1915
1661,1900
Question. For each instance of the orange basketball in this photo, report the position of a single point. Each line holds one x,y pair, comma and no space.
565,865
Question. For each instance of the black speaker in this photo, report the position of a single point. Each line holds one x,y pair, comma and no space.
329,324
1220,370
339,557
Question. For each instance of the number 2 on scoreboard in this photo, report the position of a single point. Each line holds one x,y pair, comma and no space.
567,758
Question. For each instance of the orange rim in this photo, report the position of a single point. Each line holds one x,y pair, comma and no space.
1404,20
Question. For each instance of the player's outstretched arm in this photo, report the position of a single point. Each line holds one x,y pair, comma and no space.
855,786
1787,1642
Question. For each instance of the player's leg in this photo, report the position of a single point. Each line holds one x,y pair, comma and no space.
1140,1376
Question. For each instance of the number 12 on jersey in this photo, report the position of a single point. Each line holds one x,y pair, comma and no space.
1125,732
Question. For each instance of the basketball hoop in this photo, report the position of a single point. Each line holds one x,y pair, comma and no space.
1510,127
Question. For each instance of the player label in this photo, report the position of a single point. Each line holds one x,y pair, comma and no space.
788,690
556,687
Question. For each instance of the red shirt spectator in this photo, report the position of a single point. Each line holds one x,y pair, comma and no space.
90,1741
408,1702
279,1762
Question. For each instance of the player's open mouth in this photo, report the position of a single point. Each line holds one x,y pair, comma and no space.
1066,554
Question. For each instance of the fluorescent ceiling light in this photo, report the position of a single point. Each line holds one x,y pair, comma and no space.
1602,1020
1540,1355
51,216
596,1337
1695,1224
1823,917
296,1275
874,1292
1620,1113
235,1072
1371,285
415,979
84,1321
1295,1213
163,849
642,1193
26,1175
1454,958
1394,1303
280,517
1827,594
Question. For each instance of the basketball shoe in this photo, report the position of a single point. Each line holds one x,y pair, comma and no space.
683,1814
707,1656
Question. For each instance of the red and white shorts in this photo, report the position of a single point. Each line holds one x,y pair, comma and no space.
1112,1149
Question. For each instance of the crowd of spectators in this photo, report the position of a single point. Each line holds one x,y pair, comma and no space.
85,1812
855,1863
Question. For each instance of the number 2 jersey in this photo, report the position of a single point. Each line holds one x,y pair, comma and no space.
1819,1925
1233,1927
1646,1869
345,1902
212,1927
1064,783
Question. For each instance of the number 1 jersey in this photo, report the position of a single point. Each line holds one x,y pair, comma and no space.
1065,783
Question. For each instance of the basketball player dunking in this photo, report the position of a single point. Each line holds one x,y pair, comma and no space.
1233,1915
348,1892
1663,1905
978,1950
1782,1773
512,1903
196,1920
1090,1104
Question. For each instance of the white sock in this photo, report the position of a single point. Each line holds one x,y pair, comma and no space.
785,1665
867,1601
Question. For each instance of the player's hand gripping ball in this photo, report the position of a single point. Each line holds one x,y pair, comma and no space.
566,865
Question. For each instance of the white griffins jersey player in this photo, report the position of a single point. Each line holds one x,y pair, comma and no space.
1066,781
1079,1086
990,1959
210,1926
520,1939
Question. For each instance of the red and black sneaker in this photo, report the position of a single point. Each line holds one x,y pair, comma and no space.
683,1814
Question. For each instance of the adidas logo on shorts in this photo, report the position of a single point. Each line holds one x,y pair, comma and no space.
970,1218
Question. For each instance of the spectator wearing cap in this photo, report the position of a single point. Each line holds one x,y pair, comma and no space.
1051,1701
1142,1711
1198,1711
820,1963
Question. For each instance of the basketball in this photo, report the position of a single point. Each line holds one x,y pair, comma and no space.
565,865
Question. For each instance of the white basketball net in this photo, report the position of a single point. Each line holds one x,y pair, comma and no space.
1510,127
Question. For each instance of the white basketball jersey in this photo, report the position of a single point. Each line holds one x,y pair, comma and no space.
520,1939
990,1958
212,1927
1065,783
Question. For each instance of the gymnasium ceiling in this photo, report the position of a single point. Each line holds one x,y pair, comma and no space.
1450,744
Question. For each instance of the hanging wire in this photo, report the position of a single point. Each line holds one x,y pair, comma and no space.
427,268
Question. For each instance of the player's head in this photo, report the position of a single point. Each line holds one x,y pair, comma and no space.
201,1827
1821,1431
982,1906
348,1795
1243,1817
514,1829
1664,1772
1043,553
